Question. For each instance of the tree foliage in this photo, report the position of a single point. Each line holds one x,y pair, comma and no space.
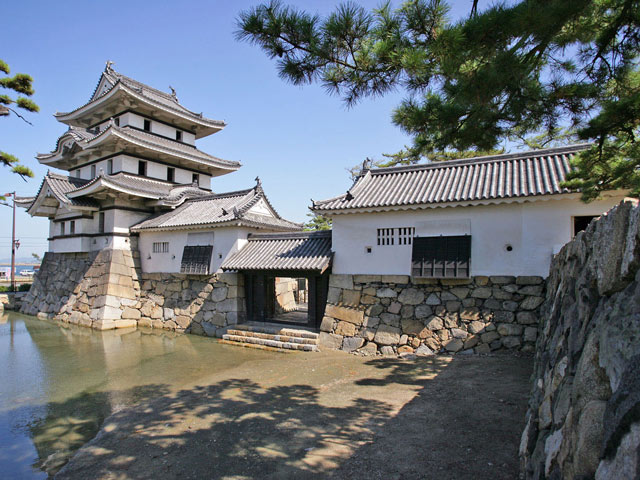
21,84
317,222
528,69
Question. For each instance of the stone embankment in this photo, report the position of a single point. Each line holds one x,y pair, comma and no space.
584,411
394,314
104,290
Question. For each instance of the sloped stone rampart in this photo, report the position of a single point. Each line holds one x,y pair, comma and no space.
105,290
583,419
392,314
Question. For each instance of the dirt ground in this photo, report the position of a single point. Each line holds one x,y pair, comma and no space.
323,415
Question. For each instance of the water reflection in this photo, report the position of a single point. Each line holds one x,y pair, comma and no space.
59,382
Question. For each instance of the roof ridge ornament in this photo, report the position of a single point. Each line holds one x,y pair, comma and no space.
173,93
258,182
108,67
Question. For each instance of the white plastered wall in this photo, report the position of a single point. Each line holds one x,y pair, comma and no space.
534,230
226,242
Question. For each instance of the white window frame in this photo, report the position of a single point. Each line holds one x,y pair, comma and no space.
394,236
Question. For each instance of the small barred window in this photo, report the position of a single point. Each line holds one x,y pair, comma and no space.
160,247
395,236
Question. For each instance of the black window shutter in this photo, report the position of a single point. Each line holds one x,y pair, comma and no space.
196,259
441,257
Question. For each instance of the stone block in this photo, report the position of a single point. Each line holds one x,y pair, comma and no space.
453,306
531,303
406,349
182,321
327,324
481,292
106,313
334,295
125,323
341,281
435,323
387,335
145,322
483,348
492,304
231,279
511,342
345,329
423,311
458,333
470,314
368,300
424,351
352,344
130,313
489,337
452,282
394,308
387,351
350,315
476,327
330,341
216,318
526,318
530,334
235,291
351,297
454,345
374,310
524,280
390,319
433,300
386,293
471,342
509,329
501,280
411,327
209,329
369,349
367,278
503,316
228,305
397,279
411,296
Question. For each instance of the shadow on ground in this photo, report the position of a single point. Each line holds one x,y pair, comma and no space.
383,418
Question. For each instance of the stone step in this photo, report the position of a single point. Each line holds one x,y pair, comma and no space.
254,346
271,336
277,330
243,340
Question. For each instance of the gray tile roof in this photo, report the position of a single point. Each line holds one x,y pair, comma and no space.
230,208
166,193
84,139
162,99
290,251
490,178
60,186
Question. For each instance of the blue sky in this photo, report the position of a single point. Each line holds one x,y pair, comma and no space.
299,140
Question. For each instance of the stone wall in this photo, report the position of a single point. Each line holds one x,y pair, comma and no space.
200,304
392,314
105,290
584,411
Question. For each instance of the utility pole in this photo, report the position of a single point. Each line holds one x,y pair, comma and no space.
13,245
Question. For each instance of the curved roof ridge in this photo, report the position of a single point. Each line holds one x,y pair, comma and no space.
484,159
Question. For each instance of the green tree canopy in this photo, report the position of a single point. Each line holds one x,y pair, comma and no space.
317,222
22,84
519,69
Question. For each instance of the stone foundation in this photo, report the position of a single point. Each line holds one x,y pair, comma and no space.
105,290
392,314
584,410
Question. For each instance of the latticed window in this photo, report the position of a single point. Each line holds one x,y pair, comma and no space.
160,247
395,236
441,257
196,259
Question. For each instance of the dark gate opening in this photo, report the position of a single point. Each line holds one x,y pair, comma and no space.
291,298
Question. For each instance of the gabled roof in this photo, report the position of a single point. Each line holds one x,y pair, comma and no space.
166,193
232,208
58,186
283,251
489,179
83,139
112,83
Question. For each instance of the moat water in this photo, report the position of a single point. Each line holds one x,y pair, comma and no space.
59,382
